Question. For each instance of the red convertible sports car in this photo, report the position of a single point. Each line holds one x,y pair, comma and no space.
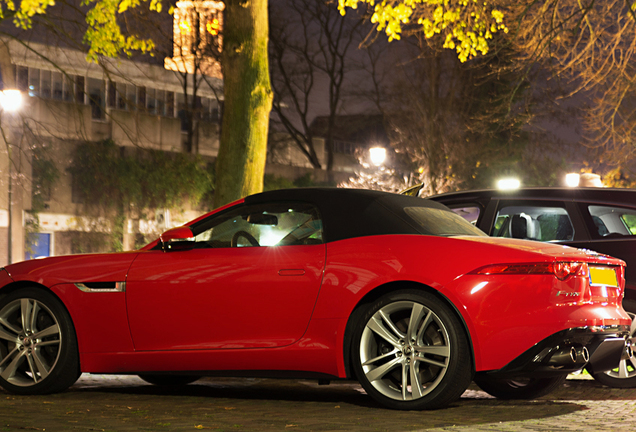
395,291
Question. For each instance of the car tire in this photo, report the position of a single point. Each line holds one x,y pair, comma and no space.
40,357
521,388
407,336
624,376
169,380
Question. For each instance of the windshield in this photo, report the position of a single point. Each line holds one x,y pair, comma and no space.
440,222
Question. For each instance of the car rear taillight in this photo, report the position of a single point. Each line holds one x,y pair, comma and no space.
562,270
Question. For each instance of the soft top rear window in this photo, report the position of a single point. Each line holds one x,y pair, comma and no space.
440,222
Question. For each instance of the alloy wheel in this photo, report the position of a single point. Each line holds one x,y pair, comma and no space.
30,341
405,350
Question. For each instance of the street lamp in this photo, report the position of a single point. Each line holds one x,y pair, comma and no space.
508,184
377,155
572,179
10,101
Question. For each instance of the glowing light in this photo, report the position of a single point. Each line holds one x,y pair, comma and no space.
478,287
213,27
10,100
184,26
269,236
508,184
572,179
377,155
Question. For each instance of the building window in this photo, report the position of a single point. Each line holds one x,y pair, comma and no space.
343,147
121,96
161,102
69,88
45,84
80,89
141,98
112,94
57,85
170,104
22,78
97,97
34,82
151,101
131,97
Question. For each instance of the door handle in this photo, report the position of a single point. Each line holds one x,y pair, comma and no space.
291,272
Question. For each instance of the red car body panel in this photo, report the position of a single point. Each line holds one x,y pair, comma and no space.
223,298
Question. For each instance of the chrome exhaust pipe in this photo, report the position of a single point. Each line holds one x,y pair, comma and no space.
582,354
564,356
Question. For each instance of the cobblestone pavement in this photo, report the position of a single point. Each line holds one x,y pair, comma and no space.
119,403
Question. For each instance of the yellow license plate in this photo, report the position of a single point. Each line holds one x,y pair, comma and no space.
603,276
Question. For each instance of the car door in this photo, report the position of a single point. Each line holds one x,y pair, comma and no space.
249,279
612,230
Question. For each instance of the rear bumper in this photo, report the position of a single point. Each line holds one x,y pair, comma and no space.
598,347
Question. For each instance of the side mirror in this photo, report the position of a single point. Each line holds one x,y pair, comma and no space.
178,238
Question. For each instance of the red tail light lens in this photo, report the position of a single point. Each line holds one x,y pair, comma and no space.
562,270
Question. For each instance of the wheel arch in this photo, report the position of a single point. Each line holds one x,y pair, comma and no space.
378,292
14,286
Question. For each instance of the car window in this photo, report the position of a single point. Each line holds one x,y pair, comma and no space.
280,224
534,223
469,213
434,221
613,221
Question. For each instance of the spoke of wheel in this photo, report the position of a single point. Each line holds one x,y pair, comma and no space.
8,336
391,325
8,325
438,350
425,324
25,309
9,371
8,356
53,330
40,364
380,371
32,368
50,342
383,356
34,314
416,386
376,326
417,312
405,381
622,369
431,361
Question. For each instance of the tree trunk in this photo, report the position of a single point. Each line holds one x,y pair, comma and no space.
240,165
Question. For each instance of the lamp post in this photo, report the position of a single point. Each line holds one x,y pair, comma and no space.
10,101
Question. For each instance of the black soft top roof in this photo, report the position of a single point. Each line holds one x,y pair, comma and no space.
348,213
